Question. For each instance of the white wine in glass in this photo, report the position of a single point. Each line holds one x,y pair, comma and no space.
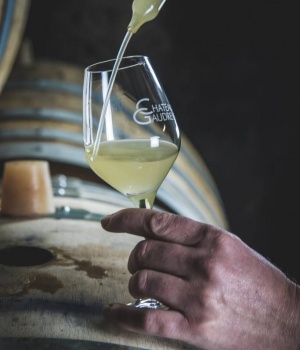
133,144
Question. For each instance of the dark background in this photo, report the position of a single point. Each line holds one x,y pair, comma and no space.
231,73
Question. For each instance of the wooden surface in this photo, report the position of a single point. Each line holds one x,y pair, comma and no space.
63,299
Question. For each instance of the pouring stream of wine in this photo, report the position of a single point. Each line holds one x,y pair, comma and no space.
106,97
143,11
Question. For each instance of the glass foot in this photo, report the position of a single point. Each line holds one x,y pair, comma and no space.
148,304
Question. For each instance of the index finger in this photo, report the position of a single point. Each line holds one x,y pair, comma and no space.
158,225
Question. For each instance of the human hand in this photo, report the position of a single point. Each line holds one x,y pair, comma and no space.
221,294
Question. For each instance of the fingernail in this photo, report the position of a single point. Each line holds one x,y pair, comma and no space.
105,221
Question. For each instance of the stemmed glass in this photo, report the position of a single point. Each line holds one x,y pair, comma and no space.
133,144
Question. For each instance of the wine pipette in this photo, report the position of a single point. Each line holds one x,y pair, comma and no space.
142,11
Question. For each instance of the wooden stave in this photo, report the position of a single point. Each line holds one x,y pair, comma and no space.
71,311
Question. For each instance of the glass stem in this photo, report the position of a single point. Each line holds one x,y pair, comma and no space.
147,303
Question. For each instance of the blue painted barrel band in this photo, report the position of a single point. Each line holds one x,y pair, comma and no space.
44,84
61,115
43,150
88,190
42,134
8,12
54,85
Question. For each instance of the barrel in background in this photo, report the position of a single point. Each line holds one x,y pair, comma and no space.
41,118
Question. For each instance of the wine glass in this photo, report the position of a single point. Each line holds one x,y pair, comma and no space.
133,143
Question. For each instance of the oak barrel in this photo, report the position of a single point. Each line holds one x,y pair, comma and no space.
13,18
41,118
57,272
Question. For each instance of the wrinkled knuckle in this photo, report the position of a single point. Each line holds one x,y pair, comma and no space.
156,222
139,283
138,257
141,252
159,222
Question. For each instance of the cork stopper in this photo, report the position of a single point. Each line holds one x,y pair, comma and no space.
27,189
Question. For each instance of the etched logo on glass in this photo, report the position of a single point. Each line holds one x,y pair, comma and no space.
153,113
